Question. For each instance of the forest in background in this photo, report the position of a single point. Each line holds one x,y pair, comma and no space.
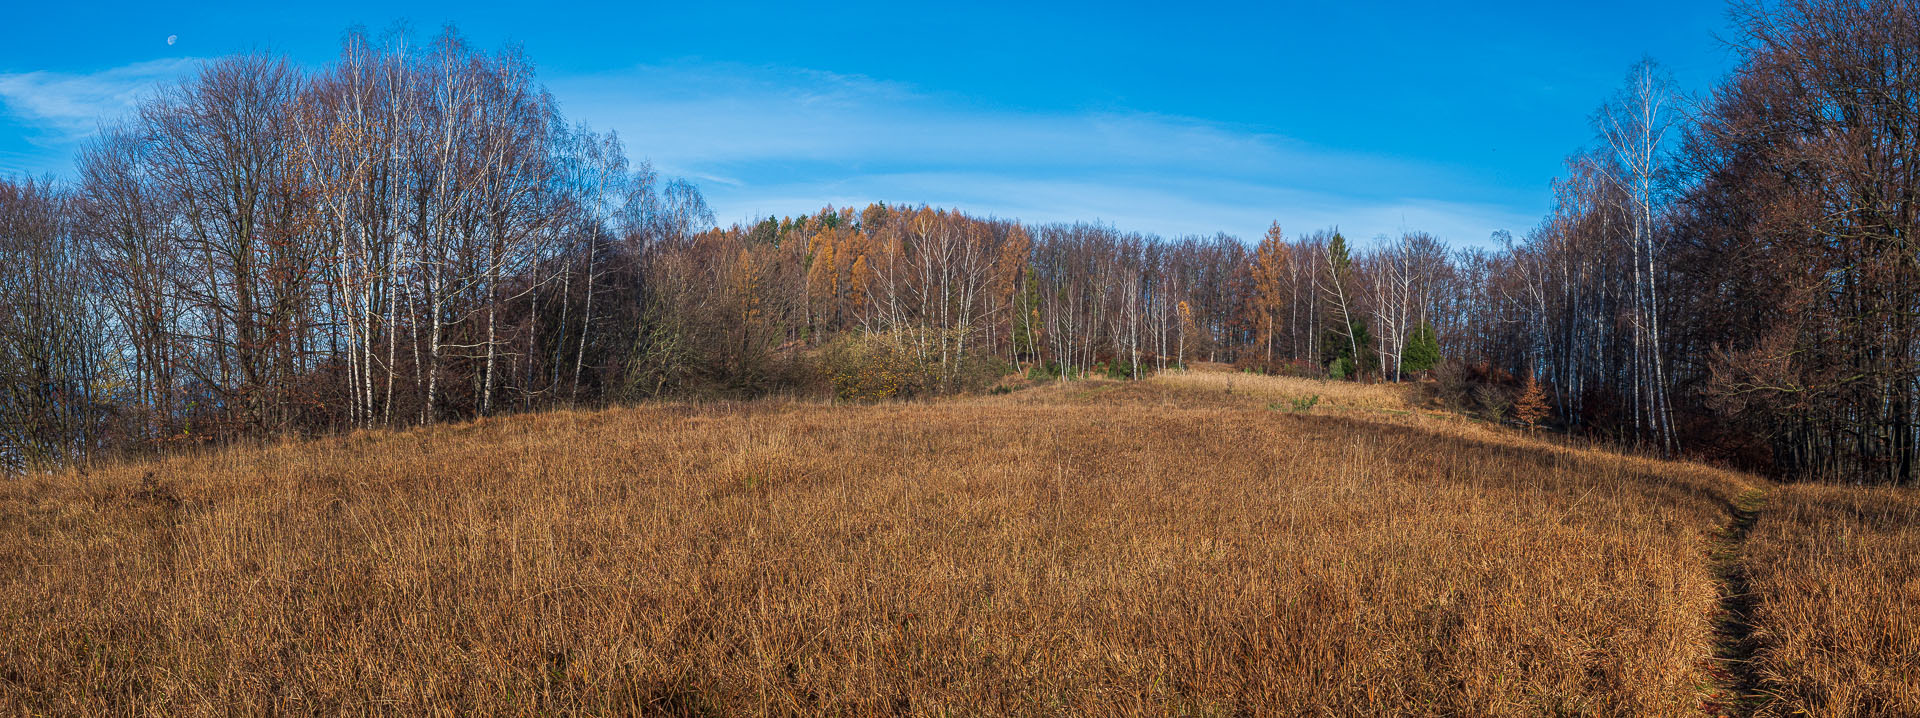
415,234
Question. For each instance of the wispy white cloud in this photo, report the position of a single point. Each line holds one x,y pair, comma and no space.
62,108
780,141
771,141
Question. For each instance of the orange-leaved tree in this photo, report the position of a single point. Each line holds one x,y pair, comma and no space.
1267,302
1531,407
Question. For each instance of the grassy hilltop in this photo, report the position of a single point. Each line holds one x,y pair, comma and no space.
1199,543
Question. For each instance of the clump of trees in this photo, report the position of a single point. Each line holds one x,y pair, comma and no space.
410,234
1800,226
414,234
1740,280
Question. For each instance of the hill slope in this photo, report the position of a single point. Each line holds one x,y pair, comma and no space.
1189,544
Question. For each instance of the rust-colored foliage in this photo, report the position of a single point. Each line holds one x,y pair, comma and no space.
1531,406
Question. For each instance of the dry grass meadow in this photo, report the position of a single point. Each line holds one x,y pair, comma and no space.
1836,574
1194,544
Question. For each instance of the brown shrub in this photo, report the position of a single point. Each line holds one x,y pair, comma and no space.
872,367
1452,385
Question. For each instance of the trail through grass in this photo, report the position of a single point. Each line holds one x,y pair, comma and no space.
1737,690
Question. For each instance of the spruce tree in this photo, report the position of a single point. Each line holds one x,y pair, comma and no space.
1422,351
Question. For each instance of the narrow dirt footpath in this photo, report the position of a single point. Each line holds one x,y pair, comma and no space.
1736,680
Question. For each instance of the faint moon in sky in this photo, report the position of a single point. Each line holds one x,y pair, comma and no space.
172,38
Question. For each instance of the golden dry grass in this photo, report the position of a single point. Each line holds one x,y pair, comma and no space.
1332,394
1836,571
1152,548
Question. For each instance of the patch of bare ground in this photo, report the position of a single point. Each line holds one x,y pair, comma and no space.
1736,687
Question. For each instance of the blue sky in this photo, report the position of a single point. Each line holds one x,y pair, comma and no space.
1376,117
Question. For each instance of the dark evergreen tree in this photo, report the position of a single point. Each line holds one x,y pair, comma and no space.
1422,351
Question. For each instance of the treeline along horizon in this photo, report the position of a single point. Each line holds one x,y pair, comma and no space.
414,233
